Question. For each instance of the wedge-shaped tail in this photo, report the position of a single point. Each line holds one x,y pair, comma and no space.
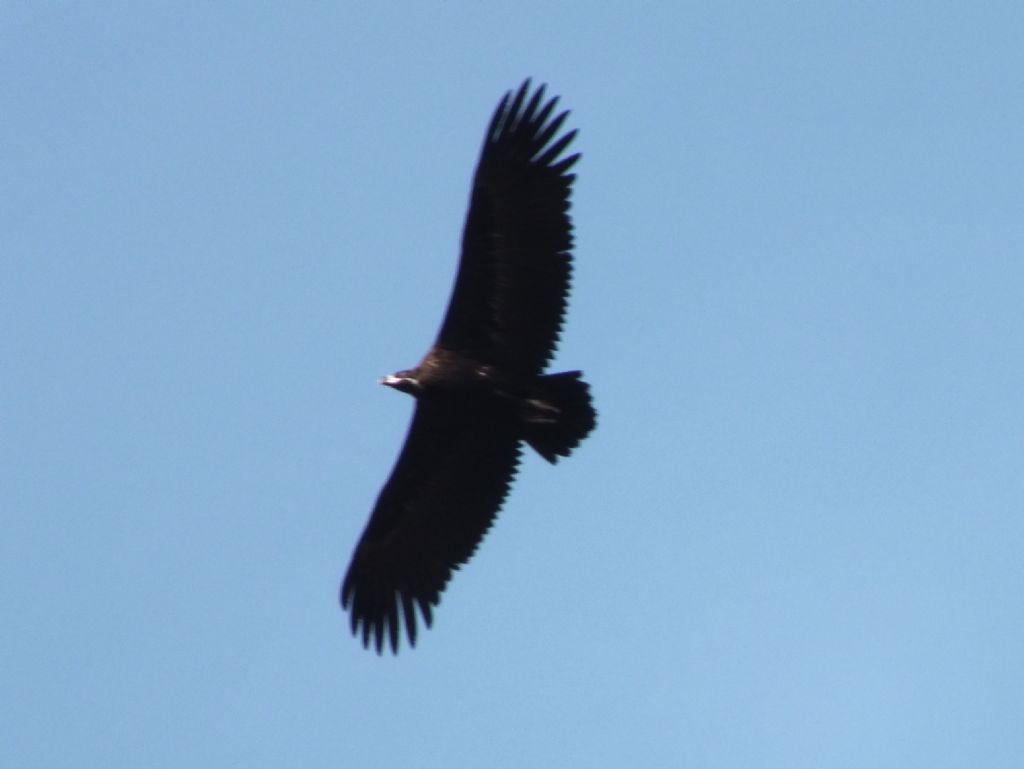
558,414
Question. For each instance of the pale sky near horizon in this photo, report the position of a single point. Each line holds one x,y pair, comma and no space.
794,539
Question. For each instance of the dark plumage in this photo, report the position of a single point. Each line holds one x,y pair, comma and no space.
480,390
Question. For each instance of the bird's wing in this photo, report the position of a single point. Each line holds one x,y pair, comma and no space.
512,285
445,490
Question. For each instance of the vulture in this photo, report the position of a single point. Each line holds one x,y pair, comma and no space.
481,391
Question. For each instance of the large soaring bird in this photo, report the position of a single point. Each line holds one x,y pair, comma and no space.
481,389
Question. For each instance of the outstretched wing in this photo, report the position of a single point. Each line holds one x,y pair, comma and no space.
512,286
448,484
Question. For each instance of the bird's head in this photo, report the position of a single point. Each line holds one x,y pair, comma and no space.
406,381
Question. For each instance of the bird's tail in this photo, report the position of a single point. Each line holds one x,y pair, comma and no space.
557,414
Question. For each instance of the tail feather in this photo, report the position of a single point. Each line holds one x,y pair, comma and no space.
558,414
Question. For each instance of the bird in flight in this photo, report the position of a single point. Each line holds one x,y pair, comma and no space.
480,390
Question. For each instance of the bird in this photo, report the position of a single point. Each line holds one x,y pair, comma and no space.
480,390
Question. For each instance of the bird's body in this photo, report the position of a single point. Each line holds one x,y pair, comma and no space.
480,390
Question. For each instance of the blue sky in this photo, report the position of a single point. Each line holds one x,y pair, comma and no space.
795,538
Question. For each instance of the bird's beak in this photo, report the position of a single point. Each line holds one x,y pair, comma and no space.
390,380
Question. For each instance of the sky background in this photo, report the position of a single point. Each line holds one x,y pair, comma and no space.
795,539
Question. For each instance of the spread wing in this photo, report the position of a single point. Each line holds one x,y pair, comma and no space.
448,484
512,286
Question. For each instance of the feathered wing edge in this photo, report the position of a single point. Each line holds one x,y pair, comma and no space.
446,490
510,293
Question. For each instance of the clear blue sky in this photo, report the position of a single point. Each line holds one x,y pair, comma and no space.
795,539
